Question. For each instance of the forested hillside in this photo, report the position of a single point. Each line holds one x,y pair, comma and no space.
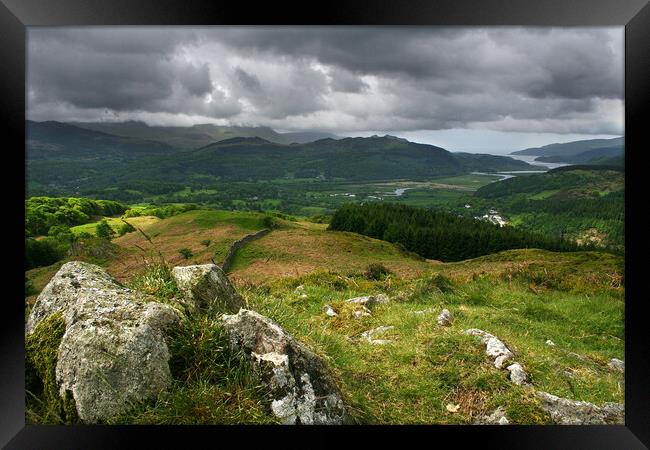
583,203
436,234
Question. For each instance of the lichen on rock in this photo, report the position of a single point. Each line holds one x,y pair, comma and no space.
301,387
571,412
207,288
113,351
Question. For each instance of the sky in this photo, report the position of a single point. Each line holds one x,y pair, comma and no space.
478,89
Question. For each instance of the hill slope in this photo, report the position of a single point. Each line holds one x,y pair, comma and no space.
603,155
572,148
183,138
422,372
584,203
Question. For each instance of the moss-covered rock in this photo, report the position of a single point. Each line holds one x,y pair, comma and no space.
105,343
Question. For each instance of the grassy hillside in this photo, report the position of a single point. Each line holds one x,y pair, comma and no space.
524,297
428,367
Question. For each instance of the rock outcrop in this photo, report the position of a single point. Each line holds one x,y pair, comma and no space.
517,374
498,350
445,318
493,347
371,335
113,351
570,412
301,387
369,301
497,417
617,364
206,288
328,310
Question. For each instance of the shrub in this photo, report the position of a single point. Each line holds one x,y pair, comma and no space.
43,252
206,242
267,222
125,228
376,272
186,252
320,218
104,230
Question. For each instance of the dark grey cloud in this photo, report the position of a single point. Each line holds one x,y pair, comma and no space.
566,80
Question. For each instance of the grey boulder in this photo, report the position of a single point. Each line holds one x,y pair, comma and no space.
445,318
113,351
493,347
302,389
369,301
497,417
571,412
617,364
206,288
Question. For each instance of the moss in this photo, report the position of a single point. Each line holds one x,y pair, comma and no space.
44,403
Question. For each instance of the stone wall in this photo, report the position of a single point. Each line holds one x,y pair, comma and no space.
227,262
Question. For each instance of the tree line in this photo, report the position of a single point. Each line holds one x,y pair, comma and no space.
436,234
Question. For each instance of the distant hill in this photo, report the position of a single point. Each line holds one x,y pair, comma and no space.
303,137
196,136
490,163
572,148
594,156
55,140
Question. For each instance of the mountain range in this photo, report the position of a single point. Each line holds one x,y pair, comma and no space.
67,156
195,136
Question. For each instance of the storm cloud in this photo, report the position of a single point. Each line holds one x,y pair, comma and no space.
338,79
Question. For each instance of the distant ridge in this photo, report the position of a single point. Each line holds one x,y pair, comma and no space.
198,135
571,148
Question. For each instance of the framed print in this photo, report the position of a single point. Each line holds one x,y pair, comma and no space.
415,218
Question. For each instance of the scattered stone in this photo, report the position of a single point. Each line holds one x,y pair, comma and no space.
369,300
517,374
369,335
580,357
617,364
362,311
206,288
302,389
570,412
299,289
303,296
550,343
493,347
497,417
445,318
501,360
113,352
327,309
452,408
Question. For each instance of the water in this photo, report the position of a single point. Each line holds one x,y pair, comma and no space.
531,160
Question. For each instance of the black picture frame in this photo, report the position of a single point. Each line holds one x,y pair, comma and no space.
16,15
